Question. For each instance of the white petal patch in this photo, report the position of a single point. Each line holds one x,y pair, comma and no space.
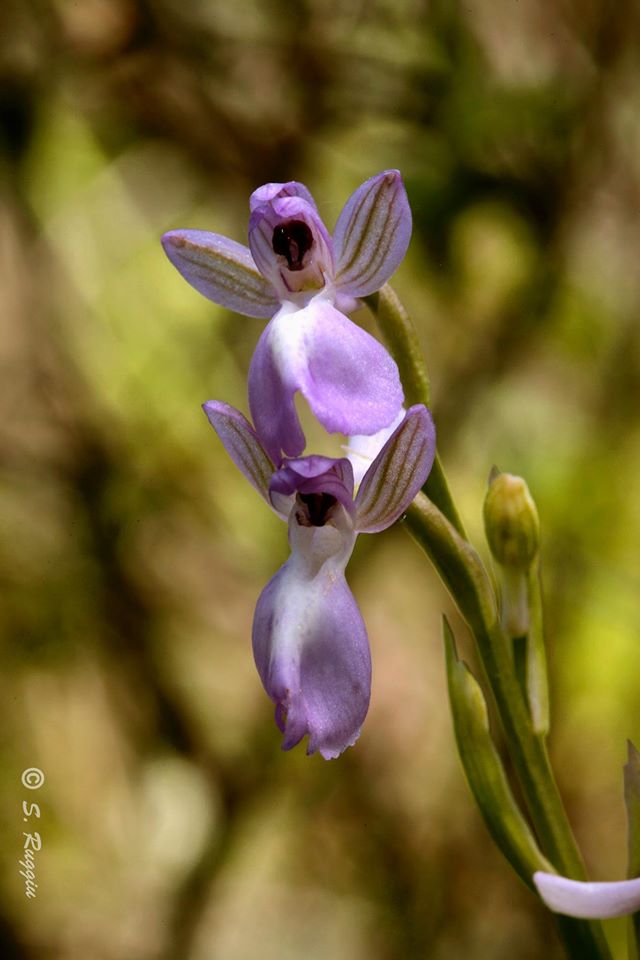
287,341
362,450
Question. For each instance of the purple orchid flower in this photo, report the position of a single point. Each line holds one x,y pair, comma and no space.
598,901
302,280
309,640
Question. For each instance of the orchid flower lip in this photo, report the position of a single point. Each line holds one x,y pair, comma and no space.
350,382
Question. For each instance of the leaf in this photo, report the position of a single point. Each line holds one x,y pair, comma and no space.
484,770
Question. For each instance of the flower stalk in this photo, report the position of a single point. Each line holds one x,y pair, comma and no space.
484,769
464,575
434,522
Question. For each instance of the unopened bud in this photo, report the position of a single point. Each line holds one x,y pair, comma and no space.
511,522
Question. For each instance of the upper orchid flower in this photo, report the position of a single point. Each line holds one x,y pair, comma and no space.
309,640
299,276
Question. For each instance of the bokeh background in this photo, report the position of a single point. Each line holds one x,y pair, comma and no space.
132,553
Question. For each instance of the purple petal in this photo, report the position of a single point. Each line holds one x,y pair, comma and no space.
291,246
271,393
241,443
350,381
348,378
372,234
270,191
222,270
311,650
589,900
314,475
397,473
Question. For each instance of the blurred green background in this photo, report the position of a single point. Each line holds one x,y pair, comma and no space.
173,827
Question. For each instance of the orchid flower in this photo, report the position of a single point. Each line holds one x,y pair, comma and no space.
302,279
309,640
598,901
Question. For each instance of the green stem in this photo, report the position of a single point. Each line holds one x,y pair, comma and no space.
400,335
466,578
437,490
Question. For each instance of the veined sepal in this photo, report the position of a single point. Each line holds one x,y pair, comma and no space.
221,270
397,473
372,234
400,336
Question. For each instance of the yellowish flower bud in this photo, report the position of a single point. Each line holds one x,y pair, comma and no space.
511,522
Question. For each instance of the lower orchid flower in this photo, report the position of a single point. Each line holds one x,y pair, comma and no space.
309,640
